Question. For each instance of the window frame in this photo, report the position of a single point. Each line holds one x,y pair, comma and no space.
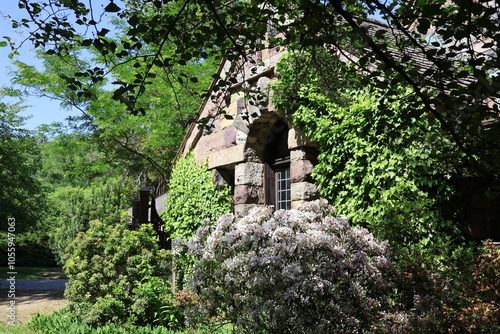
283,186
273,187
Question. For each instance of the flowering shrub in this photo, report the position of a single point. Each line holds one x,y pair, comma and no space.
290,271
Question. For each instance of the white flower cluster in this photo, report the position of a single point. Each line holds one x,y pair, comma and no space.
298,270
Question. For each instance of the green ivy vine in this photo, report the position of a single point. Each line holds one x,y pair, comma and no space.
192,197
383,162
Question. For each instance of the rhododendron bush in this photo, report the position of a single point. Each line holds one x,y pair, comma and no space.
296,271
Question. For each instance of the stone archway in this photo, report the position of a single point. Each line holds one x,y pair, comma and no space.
278,163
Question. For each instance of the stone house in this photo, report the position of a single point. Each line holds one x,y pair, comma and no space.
254,149
267,161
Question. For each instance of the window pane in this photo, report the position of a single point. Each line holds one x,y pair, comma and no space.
283,191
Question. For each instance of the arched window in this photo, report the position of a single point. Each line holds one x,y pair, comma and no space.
277,168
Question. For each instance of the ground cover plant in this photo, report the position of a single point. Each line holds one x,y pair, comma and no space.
65,322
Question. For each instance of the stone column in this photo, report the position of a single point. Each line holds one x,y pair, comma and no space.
302,186
248,187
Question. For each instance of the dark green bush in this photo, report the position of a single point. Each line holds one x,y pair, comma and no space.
75,207
114,277
475,307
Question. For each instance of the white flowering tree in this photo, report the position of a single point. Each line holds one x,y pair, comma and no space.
296,271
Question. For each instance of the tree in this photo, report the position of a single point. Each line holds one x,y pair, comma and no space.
72,158
444,50
74,207
22,195
143,145
80,184
19,161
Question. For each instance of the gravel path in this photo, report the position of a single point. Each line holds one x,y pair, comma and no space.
32,296
35,284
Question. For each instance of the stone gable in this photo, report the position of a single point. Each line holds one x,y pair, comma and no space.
254,148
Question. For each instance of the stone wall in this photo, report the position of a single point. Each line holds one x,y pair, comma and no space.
235,143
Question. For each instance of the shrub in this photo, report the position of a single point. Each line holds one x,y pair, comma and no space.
113,276
301,271
75,207
476,306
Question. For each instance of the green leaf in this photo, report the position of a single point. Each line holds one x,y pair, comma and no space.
87,42
112,8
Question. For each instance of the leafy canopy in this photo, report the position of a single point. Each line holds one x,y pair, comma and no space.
443,50
21,194
139,145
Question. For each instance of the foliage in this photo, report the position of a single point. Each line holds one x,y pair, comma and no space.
113,276
74,207
64,322
475,306
394,169
307,271
33,247
21,195
443,50
18,329
291,271
71,158
463,298
192,197
141,145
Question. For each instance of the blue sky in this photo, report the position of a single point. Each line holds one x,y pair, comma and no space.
41,110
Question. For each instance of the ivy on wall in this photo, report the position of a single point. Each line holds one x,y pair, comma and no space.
192,197
383,162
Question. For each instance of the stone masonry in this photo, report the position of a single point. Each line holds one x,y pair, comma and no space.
235,144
